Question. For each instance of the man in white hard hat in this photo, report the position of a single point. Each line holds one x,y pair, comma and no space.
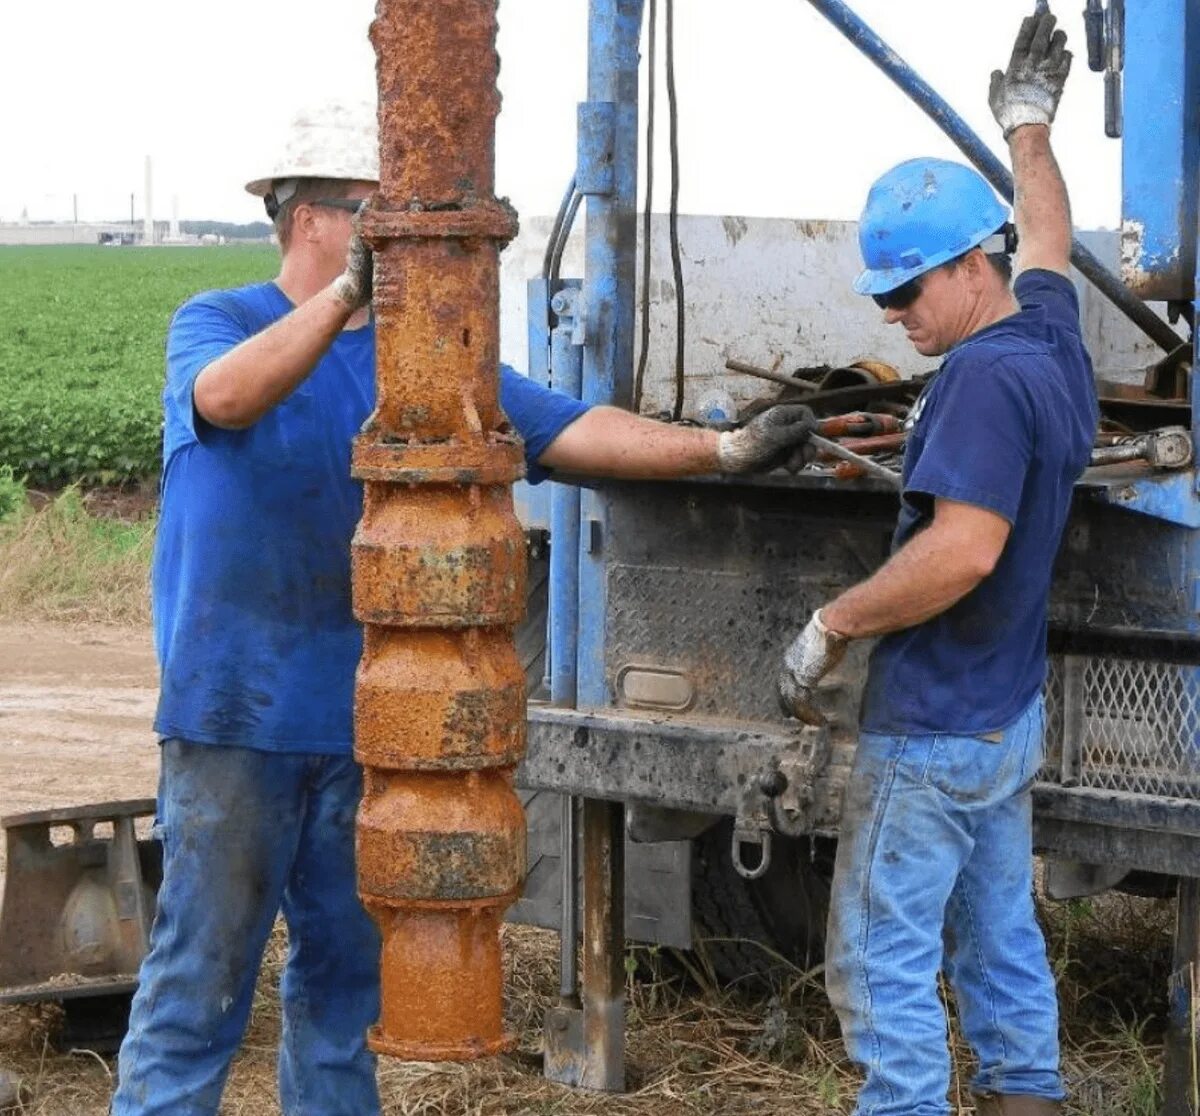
266,386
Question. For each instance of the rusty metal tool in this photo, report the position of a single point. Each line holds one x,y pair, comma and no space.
1170,448
766,374
825,445
858,424
439,556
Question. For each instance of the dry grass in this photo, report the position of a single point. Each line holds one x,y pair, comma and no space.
63,563
697,1051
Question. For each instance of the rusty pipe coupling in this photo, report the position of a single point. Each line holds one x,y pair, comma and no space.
439,556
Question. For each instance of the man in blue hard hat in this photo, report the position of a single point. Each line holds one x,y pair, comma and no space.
934,866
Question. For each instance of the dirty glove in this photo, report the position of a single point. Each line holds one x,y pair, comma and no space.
1029,92
811,656
767,440
353,286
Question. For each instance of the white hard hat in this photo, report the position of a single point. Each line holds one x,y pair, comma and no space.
338,140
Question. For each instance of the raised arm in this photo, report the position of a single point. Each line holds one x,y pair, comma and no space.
1024,99
237,389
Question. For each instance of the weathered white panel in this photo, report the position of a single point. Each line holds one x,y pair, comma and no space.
777,293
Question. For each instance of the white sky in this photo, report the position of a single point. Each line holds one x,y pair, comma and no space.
779,116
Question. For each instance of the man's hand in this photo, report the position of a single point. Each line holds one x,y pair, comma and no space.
767,440
811,656
1029,91
353,286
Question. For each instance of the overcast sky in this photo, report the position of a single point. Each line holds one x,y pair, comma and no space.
779,116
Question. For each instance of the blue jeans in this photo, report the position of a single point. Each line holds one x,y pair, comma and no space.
246,834
934,865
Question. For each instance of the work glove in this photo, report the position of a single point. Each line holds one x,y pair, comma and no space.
774,438
811,656
353,286
1029,91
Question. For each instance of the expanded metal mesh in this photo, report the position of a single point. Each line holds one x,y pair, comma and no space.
1123,725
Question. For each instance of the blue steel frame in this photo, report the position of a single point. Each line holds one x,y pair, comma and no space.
607,175
1160,147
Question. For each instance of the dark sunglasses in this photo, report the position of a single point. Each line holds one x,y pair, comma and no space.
350,205
901,298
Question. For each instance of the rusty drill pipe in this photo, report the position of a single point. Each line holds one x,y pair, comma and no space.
439,557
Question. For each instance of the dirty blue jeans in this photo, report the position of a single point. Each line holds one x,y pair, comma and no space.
935,870
246,834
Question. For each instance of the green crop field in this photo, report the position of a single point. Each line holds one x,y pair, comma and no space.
82,331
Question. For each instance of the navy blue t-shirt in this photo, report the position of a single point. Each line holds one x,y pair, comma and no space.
1008,425
256,641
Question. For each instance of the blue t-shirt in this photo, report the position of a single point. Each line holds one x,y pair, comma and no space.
256,641
1008,425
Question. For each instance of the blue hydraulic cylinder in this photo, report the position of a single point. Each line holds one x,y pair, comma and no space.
607,176
566,371
1160,154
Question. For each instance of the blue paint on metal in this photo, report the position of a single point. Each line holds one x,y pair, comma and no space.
566,363
595,173
1161,148
614,28
1167,496
533,501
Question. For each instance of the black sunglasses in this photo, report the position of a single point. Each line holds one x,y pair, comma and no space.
901,298
350,205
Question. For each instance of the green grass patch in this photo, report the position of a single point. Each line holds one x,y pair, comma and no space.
63,563
81,354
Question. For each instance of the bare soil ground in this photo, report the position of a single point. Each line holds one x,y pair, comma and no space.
75,710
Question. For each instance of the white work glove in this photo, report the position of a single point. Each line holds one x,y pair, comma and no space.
811,656
1029,92
767,440
353,286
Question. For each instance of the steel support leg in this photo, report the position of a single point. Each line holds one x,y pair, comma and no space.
585,1047
1181,1072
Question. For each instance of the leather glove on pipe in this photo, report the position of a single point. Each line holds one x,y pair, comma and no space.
767,441
811,656
353,286
1029,91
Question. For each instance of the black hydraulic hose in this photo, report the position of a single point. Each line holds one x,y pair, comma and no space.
564,234
644,343
959,132
673,217
556,229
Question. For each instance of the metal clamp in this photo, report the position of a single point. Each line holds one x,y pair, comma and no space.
780,801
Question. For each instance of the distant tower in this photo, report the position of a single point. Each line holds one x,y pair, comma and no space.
148,216
174,216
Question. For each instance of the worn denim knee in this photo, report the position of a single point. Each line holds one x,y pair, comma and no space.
243,833
936,838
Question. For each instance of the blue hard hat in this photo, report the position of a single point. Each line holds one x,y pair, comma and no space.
920,215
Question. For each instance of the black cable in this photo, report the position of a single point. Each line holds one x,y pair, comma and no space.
564,234
644,354
673,219
548,258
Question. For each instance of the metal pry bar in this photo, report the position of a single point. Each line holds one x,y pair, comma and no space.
864,463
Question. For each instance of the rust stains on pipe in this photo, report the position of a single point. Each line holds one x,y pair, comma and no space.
439,557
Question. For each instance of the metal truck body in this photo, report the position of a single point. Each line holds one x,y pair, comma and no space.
674,601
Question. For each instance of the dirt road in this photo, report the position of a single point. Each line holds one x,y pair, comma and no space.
76,706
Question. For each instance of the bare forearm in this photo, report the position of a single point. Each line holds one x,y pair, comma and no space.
1041,206
237,389
609,442
919,581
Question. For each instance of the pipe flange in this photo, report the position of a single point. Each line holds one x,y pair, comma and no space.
470,219
499,459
